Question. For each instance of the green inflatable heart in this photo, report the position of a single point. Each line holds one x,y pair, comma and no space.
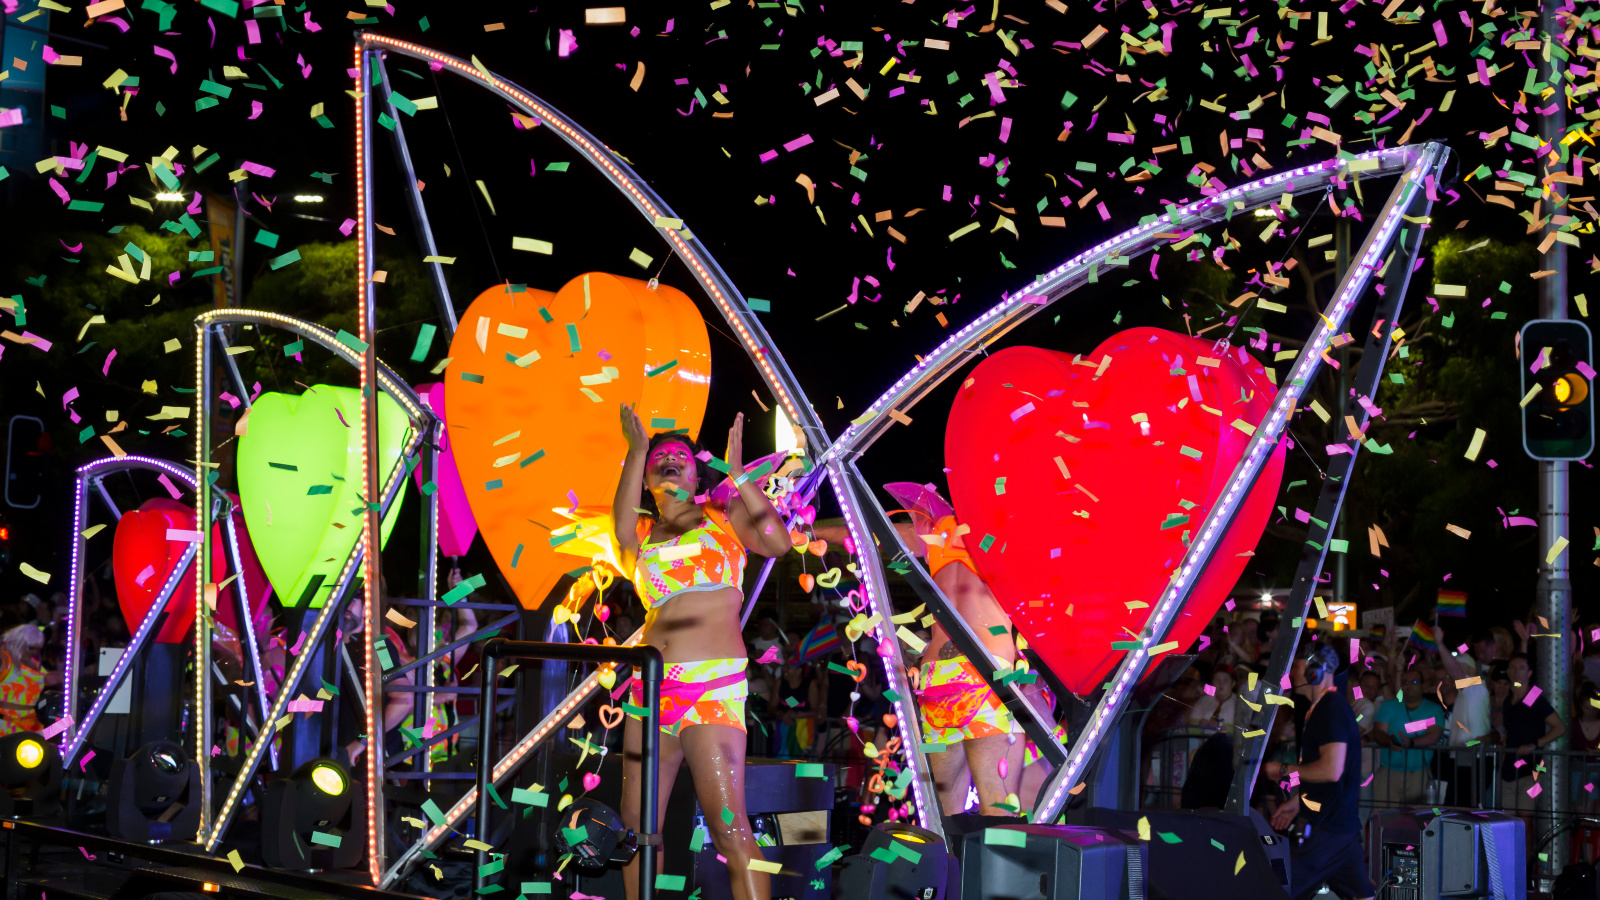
299,473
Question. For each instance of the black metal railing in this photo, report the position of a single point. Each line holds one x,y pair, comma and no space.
647,660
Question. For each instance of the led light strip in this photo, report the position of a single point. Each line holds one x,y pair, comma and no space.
1066,277
555,719
1242,479
80,522
367,427
757,343
246,626
70,750
893,665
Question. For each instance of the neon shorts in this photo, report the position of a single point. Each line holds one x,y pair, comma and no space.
1031,754
701,692
957,705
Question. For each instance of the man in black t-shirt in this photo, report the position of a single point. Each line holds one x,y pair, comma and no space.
1323,808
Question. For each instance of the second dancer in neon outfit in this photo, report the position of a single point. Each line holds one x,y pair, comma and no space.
958,709
687,558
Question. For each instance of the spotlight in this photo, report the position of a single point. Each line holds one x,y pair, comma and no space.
30,773
155,795
310,819
308,198
170,197
899,861
593,833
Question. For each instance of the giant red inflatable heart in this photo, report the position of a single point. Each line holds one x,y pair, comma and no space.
143,558
1083,479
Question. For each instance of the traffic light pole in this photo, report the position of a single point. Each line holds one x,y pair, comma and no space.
1554,590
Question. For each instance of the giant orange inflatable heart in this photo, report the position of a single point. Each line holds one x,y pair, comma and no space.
533,391
143,558
1084,479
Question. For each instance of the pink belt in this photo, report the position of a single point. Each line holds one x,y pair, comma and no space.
685,693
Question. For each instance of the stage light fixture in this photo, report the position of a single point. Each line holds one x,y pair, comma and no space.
922,868
30,776
308,198
310,820
594,834
154,794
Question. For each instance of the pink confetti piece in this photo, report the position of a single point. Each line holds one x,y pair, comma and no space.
259,169
1210,690
144,575
106,369
1536,790
11,117
769,156
1419,726
60,191
797,143
61,724
346,226
83,766
1533,694
1369,779
252,31
769,657
255,105
295,650
168,55
171,488
567,45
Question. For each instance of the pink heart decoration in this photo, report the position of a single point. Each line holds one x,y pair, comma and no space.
457,526
590,781
1083,480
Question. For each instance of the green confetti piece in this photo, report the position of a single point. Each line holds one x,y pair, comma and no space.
986,543
998,630
530,798
495,796
572,338
809,770
665,424
424,341
574,836
632,710
325,839
475,379
1218,844
293,348
532,887
464,588
661,368
293,256
533,457
351,341
1000,485
727,816
1190,452
827,859
883,855
669,882
228,8
1174,520
758,305
697,841
516,556
316,489
1005,837
1169,837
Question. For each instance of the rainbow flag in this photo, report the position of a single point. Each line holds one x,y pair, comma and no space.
1452,603
1424,637
818,642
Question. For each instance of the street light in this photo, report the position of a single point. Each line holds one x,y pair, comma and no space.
170,197
308,198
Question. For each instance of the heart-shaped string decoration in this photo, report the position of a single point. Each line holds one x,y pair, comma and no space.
858,671
608,678
890,720
1084,480
299,472
457,527
591,780
817,548
807,581
533,393
146,548
610,716
830,578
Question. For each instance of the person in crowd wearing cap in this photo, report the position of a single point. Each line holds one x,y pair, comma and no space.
1323,808
1468,723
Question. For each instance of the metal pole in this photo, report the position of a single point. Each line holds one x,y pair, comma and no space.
429,588
1341,264
205,413
490,667
1554,588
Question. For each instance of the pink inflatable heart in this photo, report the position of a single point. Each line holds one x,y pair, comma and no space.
1083,481
457,527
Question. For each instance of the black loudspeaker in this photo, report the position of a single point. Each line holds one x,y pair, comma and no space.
1201,861
900,862
1052,862
1422,854
155,795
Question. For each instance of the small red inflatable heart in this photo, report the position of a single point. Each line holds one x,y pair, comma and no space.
142,559
1083,481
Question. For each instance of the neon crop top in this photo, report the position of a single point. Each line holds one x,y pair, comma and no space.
951,550
706,557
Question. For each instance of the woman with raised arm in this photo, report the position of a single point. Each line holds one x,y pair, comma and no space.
687,557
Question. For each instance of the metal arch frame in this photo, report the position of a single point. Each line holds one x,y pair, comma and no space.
1428,162
213,826
94,472
729,301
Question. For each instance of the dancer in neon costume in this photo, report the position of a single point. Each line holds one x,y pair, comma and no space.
958,709
687,556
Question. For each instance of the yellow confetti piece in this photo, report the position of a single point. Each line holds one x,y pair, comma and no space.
761,865
36,574
93,530
236,860
1144,828
532,245
1239,863
394,616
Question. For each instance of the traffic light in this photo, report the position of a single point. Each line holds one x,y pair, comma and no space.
27,442
1557,389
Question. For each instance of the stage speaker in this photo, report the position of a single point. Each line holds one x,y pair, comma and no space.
899,861
1052,862
1421,854
1193,855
